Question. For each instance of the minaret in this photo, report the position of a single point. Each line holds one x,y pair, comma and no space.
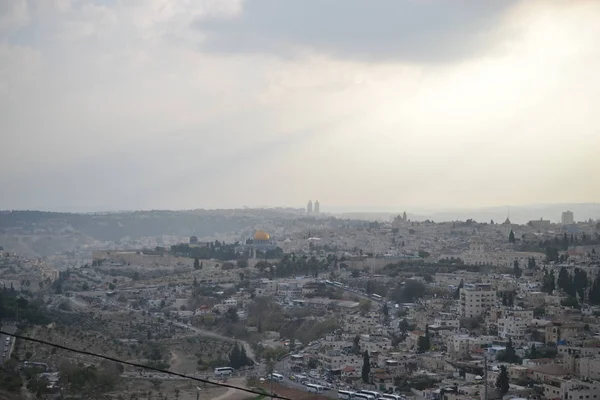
317,206
309,207
404,216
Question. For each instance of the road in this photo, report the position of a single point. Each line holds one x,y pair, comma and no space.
203,332
283,367
7,348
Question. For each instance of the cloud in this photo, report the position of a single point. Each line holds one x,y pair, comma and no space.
110,104
14,14
419,31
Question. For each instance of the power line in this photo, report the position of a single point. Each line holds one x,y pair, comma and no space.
89,353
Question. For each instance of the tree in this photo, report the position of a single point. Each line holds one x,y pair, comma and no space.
509,355
565,283
366,368
386,313
231,314
503,381
548,283
580,283
356,345
292,346
423,344
531,263
196,264
412,291
238,357
594,294
533,353
511,237
364,306
457,292
570,301
517,270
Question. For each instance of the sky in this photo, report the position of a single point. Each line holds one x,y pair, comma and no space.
180,104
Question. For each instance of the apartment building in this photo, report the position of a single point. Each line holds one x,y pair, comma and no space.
476,299
589,367
557,331
334,360
513,327
578,390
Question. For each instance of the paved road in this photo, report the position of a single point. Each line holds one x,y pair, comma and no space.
6,349
283,367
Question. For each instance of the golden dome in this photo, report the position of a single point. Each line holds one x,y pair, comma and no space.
261,235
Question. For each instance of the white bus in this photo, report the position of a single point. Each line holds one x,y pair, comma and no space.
314,388
363,396
223,371
377,297
392,397
276,377
375,395
328,283
345,394
301,378
338,284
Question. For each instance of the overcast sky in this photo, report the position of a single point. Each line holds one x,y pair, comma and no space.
138,104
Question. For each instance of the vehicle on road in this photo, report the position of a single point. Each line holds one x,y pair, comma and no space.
373,393
393,397
276,377
345,394
376,297
363,396
314,388
223,371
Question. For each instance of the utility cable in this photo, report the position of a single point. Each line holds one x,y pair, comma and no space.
89,353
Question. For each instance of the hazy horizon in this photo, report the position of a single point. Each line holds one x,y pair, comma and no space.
517,213
163,104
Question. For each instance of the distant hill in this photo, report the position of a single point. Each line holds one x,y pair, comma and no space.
136,224
518,214
521,214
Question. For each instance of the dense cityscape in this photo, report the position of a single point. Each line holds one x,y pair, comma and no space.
305,305
299,200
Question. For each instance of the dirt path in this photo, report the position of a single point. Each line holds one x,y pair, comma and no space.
175,362
206,333
234,394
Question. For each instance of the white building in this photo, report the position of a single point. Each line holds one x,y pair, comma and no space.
573,390
476,299
567,218
513,327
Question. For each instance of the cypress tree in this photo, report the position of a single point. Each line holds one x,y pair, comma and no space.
366,368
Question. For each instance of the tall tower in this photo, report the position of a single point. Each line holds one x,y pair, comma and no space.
404,216
317,206
567,218
309,207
